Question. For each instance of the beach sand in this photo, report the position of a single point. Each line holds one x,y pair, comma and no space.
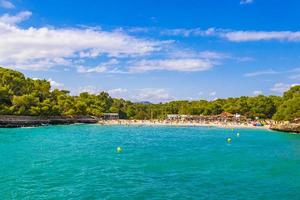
179,123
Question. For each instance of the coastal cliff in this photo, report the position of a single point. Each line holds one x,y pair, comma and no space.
10,121
287,127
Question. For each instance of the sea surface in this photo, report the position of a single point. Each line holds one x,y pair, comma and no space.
157,162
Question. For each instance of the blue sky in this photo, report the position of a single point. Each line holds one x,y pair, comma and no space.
155,50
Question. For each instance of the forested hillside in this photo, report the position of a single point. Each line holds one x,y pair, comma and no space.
20,95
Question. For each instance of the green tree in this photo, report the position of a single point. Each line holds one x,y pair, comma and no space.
290,108
25,105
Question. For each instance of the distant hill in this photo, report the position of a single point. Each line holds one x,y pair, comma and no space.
144,102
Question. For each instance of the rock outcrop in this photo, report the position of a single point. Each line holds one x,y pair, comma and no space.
286,127
11,121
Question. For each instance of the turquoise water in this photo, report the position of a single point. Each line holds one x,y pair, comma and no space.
81,162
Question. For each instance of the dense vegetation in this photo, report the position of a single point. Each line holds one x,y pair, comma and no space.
24,96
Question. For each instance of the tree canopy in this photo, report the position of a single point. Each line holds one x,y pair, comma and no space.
25,96
290,107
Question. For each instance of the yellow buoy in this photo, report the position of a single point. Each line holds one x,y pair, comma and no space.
119,149
228,140
238,134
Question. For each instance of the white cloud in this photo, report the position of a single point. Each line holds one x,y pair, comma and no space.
259,73
246,1
55,84
244,59
186,61
6,4
212,94
294,71
188,32
90,89
15,19
138,30
186,53
183,65
155,95
98,69
44,48
236,35
257,92
281,87
103,67
296,77
296,74
213,55
246,36
117,92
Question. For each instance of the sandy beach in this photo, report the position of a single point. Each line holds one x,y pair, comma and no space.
179,123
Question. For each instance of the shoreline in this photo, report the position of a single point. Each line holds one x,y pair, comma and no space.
13,121
181,123
9,121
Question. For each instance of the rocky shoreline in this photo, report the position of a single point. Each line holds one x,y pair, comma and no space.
10,121
288,127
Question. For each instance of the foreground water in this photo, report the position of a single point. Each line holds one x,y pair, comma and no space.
81,162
